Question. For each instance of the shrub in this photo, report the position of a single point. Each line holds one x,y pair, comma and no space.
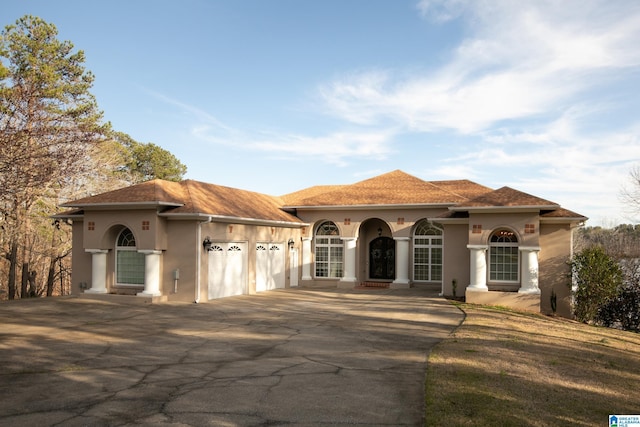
597,280
623,310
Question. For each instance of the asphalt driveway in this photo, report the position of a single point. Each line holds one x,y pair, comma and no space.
290,357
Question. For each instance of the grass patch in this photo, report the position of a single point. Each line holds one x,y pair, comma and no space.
506,368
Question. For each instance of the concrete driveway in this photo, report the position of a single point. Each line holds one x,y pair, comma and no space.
291,357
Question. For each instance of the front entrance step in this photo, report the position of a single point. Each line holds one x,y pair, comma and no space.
378,285
124,299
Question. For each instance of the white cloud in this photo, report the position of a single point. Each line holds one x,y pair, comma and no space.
522,59
336,148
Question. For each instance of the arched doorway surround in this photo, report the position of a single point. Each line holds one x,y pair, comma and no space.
377,251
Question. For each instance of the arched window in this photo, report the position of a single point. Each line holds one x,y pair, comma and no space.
328,251
504,257
427,253
129,262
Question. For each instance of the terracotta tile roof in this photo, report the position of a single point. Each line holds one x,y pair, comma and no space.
194,197
393,188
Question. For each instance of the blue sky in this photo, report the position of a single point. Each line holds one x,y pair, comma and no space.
275,96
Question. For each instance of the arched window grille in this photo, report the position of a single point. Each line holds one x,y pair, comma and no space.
129,262
427,253
504,257
328,251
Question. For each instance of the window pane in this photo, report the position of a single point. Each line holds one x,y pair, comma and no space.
503,264
427,257
421,272
436,272
130,267
126,238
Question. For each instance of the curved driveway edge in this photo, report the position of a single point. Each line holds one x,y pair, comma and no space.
297,357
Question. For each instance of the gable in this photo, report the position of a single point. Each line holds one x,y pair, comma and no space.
393,188
190,198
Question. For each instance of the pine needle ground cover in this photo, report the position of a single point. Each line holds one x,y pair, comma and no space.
506,368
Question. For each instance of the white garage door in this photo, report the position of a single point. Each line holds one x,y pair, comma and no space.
270,265
227,269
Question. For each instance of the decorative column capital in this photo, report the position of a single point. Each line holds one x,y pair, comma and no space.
97,251
529,248
402,239
478,247
149,252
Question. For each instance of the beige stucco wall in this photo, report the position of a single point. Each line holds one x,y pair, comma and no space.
107,225
80,260
455,258
512,221
180,255
556,243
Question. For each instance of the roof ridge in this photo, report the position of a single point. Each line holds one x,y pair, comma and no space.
189,195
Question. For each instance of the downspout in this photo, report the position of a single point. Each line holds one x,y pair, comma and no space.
199,257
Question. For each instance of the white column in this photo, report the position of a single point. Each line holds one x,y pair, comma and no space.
98,271
402,263
478,268
529,280
349,272
306,258
151,273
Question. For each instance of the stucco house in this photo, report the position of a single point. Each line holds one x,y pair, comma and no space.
193,241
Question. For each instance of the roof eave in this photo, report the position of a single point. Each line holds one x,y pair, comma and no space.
231,219
578,221
449,220
127,205
68,215
494,209
371,206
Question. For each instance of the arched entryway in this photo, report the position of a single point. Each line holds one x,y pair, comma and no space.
377,251
382,258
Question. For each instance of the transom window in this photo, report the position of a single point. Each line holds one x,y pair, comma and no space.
328,251
504,257
427,253
129,262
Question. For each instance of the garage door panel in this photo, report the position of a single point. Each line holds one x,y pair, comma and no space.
262,267
227,269
277,266
270,266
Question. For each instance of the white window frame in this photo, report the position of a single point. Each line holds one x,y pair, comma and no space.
129,247
430,244
327,238
504,239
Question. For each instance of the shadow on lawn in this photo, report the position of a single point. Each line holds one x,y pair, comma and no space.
513,369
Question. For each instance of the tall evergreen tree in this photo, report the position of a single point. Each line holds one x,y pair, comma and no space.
48,122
